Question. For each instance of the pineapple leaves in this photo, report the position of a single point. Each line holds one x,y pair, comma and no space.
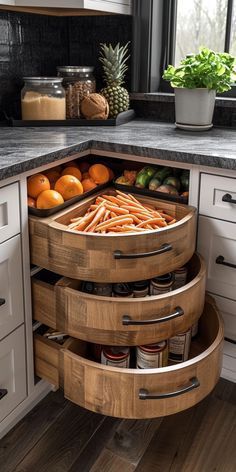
114,63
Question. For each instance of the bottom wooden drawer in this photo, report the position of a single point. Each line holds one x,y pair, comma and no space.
148,393
12,372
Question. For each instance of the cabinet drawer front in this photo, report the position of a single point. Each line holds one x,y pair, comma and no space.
12,372
116,392
100,319
11,288
112,258
228,311
9,211
217,238
212,195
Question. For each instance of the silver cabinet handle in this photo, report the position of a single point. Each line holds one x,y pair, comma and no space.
127,320
145,395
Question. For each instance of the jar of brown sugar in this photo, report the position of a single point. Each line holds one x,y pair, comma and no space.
78,82
43,98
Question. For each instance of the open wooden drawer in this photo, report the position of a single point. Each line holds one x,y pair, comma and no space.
115,257
107,320
148,393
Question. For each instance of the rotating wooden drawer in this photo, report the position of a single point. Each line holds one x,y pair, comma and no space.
108,320
148,393
115,257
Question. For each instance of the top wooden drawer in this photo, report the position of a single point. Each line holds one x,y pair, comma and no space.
9,211
214,193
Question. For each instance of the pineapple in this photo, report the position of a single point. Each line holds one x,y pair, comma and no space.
114,68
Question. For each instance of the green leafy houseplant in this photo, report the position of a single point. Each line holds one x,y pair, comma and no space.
207,69
196,81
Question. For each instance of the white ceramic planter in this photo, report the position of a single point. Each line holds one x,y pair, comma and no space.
194,106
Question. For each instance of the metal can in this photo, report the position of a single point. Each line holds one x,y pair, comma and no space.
122,290
116,356
179,346
152,356
162,284
141,288
180,277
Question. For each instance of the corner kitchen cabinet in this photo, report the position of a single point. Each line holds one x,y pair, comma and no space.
73,7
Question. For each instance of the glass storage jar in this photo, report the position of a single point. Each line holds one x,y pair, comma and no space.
43,98
78,82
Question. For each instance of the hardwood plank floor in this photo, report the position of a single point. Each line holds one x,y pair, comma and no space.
57,436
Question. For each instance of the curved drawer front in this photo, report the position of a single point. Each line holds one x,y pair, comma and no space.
112,258
119,392
133,321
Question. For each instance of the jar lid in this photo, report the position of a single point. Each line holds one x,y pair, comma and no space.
163,279
122,289
43,79
116,352
156,347
78,69
140,284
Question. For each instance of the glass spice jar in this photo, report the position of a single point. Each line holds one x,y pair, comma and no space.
43,98
78,82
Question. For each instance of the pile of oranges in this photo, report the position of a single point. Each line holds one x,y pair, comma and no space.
57,185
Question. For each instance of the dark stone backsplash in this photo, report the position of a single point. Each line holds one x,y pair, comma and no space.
32,45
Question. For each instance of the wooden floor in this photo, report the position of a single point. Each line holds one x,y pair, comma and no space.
58,436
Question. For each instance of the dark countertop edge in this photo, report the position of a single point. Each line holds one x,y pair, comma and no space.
226,102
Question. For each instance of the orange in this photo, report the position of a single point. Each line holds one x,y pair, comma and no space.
85,175
71,164
84,166
99,173
49,199
72,171
31,202
88,184
36,184
52,175
69,186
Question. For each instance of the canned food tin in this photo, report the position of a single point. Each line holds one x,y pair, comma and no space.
162,284
180,277
179,346
115,356
152,356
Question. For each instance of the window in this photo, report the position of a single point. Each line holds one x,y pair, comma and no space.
166,30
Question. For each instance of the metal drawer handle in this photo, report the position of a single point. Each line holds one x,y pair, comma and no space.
228,198
221,260
2,301
145,395
3,392
163,248
127,320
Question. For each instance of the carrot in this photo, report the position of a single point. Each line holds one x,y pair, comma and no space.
168,218
119,220
172,222
116,209
99,214
111,199
151,221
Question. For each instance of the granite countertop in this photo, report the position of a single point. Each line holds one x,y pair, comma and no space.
23,149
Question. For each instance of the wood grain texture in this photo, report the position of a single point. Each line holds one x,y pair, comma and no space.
108,462
99,319
88,256
115,392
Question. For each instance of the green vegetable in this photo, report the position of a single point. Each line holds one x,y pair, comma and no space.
144,176
162,173
154,183
171,180
184,179
168,189
207,69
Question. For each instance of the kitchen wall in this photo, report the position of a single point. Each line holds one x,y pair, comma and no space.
36,44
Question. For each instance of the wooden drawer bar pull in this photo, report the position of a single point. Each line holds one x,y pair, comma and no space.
221,260
3,392
145,395
2,301
127,320
228,198
163,248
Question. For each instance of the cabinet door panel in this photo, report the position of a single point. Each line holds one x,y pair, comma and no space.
9,212
11,287
212,197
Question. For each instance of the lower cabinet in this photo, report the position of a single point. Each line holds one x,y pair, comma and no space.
134,393
12,372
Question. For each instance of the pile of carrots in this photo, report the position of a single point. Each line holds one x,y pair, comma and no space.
120,213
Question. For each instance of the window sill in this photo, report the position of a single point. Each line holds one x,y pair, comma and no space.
224,102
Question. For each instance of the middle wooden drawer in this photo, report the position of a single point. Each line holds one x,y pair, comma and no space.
63,306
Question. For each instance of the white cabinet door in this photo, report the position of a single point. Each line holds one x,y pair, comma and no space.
9,211
109,6
12,372
228,310
218,238
11,287
218,197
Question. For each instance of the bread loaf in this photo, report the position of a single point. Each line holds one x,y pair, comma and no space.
95,107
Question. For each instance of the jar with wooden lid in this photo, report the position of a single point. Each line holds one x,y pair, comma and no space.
78,82
43,98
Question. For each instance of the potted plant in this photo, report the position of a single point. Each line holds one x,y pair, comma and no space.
196,82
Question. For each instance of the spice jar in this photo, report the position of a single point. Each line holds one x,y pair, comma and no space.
102,289
116,356
179,346
141,288
180,276
78,82
152,356
43,98
162,284
122,290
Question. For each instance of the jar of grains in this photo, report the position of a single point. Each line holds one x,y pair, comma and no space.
43,98
78,82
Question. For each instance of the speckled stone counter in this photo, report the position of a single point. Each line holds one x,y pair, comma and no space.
23,149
